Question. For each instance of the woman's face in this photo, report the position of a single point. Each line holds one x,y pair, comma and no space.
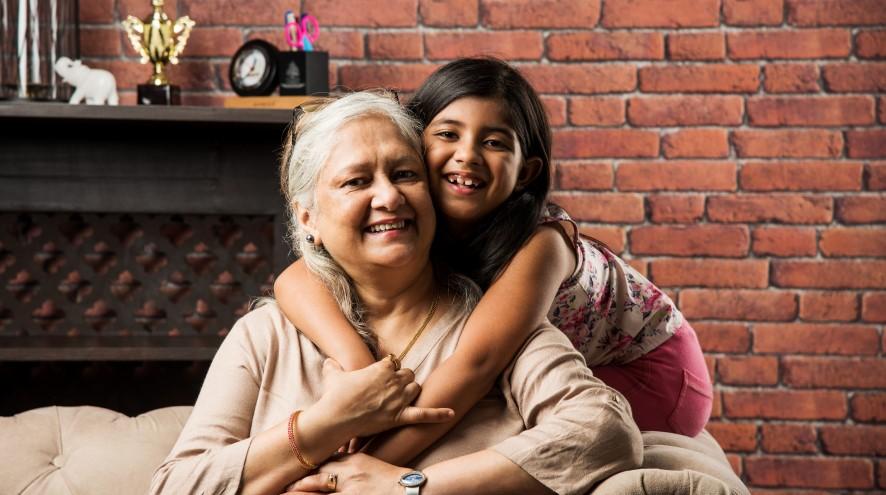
372,206
474,160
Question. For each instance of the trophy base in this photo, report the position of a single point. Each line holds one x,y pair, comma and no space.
166,94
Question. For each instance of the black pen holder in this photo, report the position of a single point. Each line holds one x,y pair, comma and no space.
303,73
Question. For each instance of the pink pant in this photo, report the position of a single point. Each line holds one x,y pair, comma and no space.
669,388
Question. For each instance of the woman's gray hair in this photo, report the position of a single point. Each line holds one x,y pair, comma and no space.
305,152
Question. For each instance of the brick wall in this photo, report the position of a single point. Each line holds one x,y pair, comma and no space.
732,149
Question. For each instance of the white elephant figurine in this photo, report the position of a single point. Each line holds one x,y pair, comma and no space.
97,86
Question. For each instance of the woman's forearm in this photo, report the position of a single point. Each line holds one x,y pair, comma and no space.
481,473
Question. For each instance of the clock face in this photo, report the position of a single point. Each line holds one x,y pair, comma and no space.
253,69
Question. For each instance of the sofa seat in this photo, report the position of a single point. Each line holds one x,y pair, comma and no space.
94,451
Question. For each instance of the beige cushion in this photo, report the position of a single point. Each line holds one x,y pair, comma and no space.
85,450
90,450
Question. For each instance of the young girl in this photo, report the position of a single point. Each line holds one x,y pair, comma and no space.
487,148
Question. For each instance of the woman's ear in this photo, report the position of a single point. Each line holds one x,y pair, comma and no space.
306,222
529,171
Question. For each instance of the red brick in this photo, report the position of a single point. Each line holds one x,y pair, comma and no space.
667,111
675,176
102,42
875,172
801,176
855,77
619,45
854,439
448,13
785,404
753,12
873,307
396,13
709,78
394,46
736,463
869,407
790,78
853,242
402,77
807,43
236,13
753,274
585,175
870,44
640,266
342,44
826,372
829,306
748,370
866,144
97,12
555,107
722,337
696,143
213,42
661,13
510,45
597,111
861,209
806,338
784,241
786,208
829,274
602,207
881,104
582,79
675,208
835,12
142,9
802,111
734,437
691,240
605,143
788,438
129,73
749,305
881,473
788,143
696,46
717,406
614,237
507,14
809,472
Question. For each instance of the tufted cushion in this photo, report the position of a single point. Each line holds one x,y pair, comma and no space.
85,450
90,450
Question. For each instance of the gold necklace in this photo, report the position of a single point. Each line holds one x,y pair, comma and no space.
421,329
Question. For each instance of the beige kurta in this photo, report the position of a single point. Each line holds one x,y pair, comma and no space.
548,414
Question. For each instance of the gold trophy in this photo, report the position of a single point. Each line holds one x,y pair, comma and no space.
158,40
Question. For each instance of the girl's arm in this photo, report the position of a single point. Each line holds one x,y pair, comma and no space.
307,303
510,310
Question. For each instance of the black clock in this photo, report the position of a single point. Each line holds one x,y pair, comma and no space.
253,70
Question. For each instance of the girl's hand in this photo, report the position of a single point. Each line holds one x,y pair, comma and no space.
374,399
357,474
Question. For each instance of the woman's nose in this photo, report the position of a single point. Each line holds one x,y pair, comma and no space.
387,196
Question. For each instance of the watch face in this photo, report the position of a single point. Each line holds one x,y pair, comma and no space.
253,69
413,478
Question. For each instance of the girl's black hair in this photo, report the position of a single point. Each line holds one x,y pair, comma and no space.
498,237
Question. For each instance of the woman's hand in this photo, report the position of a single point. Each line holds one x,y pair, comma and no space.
374,399
354,474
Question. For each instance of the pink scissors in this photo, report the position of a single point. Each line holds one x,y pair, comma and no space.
301,34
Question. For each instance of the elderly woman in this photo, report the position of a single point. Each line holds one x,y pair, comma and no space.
272,407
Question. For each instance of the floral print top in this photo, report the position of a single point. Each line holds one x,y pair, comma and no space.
610,312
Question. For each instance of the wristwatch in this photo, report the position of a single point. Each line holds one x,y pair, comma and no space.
412,481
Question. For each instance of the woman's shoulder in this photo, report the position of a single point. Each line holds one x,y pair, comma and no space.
265,329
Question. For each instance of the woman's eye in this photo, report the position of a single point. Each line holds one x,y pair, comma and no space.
355,182
405,175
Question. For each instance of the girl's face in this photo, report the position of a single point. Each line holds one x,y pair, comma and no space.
474,160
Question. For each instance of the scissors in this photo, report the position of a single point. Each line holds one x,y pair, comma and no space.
301,34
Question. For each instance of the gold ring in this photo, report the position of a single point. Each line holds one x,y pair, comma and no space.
331,481
395,361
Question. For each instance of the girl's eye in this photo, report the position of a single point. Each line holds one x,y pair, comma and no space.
495,143
447,135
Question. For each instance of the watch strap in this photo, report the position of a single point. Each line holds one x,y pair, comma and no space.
413,490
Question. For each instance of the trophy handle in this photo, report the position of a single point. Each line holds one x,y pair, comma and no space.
182,28
135,30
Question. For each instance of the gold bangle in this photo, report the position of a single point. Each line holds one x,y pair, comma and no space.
293,444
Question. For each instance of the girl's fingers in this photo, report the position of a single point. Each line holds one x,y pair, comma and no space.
411,391
413,414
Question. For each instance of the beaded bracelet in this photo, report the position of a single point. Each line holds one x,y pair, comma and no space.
293,444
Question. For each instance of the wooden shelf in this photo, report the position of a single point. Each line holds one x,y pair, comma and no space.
62,348
56,110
